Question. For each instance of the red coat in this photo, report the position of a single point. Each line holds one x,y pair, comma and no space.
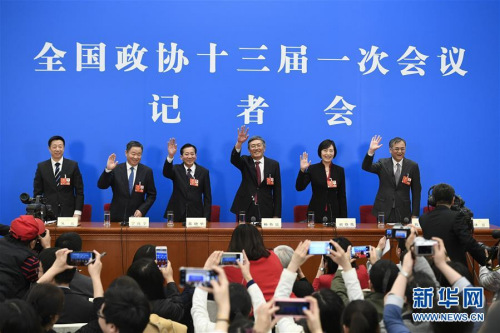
266,272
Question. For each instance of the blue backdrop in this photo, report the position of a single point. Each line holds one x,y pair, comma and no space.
449,115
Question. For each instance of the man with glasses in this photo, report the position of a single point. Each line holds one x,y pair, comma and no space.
259,194
397,176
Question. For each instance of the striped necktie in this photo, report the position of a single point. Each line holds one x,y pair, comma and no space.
57,174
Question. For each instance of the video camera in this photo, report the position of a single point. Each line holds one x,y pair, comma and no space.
37,207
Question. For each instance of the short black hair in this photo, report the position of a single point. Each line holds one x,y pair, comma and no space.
133,144
247,237
56,137
382,275
330,307
47,258
188,145
69,240
47,300
18,316
127,308
239,301
325,144
395,141
443,194
149,277
256,137
361,316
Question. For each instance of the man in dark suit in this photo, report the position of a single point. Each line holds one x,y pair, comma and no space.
397,176
259,194
59,180
451,227
191,195
133,185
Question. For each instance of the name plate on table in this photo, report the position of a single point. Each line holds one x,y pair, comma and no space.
138,222
271,223
346,223
415,222
481,223
67,221
196,222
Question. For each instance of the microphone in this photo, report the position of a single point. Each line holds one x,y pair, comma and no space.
325,220
406,221
253,219
332,222
495,234
124,223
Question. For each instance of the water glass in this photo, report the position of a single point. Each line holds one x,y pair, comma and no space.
310,219
170,218
381,219
242,216
107,219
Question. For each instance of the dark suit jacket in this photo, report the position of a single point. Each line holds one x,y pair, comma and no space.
123,203
64,199
388,191
269,196
451,227
77,308
333,199
185,196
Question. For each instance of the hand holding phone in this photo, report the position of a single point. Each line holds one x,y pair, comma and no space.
161,256
80,258
195,277
292,307
360,251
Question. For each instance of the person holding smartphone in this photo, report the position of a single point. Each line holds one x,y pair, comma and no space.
327,182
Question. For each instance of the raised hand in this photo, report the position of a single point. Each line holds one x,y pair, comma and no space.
341,257
112,162
374,144
172,147
304,163
242,136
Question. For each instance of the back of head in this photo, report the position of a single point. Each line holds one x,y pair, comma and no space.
455,326
284,253
47,300
382,275
240,301
330,307
69,240
18,316
417,280
47,258
127,308
458,267
149,277
360,317
302,288
443,194
247,237
146,251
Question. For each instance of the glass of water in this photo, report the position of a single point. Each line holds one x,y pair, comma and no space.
170,218
310,219
381,219
107,219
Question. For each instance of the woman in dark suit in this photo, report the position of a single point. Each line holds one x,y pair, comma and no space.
327,181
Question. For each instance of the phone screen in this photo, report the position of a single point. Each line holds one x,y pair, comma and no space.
197,276
292,307
161,256
360,252
80,258
319,248
231,258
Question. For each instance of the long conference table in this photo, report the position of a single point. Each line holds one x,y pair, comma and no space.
190,247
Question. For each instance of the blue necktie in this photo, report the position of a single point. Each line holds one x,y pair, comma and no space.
131,180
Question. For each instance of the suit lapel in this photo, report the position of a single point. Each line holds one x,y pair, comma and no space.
123,174
49,174
184,179
404,171
251,166
390,170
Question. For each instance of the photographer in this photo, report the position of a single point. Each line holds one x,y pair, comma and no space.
451,227
19,262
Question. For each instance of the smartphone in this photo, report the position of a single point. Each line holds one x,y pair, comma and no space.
291,307
161,256
194,277
80,258
360,251
231,258
319,247
397,233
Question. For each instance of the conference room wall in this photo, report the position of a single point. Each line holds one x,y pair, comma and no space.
451,123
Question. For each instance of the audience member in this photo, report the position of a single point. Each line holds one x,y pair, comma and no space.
81,284
18,316
360,317
165,299
18,262
48,301
265,265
